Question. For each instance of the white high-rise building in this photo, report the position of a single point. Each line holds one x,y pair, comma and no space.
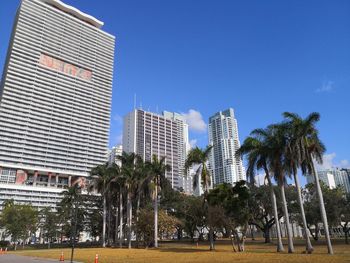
55,99
148,134
223,136
332,178
114,153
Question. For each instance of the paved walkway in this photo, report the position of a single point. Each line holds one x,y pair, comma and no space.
8,258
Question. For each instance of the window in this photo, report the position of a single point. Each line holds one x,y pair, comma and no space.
8,176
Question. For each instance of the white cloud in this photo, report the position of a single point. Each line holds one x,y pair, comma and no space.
327,86
345,164
193,143
118,119
329,162
119,139
195,121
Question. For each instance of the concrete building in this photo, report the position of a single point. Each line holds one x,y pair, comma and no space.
148,134
114,153
332,178
55,99
223,136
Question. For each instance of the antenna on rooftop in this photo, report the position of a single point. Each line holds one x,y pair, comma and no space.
134,101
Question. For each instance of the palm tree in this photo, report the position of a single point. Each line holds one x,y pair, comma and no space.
130,162
258,157
274,137
101,176
200,157
310,148
118,184
293,160
158,168
72,200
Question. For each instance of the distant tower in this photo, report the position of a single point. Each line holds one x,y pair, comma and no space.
147,134
223,136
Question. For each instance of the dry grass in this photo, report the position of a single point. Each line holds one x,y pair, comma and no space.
172,252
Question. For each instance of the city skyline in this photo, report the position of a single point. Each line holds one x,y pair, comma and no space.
240,64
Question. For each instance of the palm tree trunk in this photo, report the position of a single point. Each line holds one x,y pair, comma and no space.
309,247
156,217
322,208
120,217
104,221
280,247
286,218
137,218
129,217
116,226
211,239
109,235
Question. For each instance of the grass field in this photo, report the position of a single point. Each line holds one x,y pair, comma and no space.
173,252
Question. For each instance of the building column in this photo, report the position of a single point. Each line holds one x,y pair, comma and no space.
49,181
36,173
69,181
56,180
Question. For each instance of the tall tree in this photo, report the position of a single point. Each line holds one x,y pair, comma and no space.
258,154
19,221
310,148
50,224
130,163
72,207
235,202
274,137
158,168
101,177
118,185
200,157
261,210
345,216
293,160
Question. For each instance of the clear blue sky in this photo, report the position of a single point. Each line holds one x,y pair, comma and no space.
259,57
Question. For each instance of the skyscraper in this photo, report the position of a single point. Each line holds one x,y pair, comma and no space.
223,136
147,134
332,178
55,98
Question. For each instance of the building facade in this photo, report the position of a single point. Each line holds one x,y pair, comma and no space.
147,134
55,99
332,178
114,153
223,136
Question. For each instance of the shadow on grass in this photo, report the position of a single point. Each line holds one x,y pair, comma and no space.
183,250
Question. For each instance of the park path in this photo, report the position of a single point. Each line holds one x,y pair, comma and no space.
8,258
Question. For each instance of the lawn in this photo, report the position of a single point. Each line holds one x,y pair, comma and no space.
173,252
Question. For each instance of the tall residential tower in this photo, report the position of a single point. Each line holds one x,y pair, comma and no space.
55,99
223,136
148,134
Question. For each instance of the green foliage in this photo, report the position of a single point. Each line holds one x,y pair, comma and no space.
19,221
167,225
234,201
334,204
50,224
200,157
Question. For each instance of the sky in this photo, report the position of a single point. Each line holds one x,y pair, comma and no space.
198,57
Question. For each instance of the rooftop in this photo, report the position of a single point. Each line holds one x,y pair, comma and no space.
75,12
